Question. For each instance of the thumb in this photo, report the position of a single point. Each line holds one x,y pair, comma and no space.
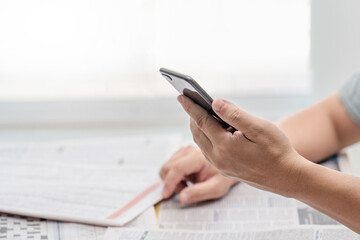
212,188
234,116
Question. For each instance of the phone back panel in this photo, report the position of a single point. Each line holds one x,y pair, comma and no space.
187,86
190,88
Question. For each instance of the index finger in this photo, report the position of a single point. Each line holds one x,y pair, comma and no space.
178,171
205,121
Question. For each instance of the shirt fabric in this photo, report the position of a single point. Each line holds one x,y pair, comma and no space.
350,97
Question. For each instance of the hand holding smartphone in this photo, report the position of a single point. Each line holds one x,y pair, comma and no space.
189,87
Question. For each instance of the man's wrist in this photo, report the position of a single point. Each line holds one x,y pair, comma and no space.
297,181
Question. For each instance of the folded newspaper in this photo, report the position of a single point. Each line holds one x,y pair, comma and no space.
103,182
20,227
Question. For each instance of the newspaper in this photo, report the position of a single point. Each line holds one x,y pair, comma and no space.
299,233
19,227
243,208
16,227
147,220
103,182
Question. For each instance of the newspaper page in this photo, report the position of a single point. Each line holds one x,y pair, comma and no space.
147,220
299,233
19,227
104,182
243,208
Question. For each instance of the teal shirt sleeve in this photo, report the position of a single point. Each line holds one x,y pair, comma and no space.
350,97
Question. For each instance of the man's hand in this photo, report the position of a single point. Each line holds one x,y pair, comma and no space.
189,164
259,153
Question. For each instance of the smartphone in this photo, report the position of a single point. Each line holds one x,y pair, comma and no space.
189,87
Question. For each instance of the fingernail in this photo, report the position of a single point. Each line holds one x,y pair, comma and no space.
180,99
218,104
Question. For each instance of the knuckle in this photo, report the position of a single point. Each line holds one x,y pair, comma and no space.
259,128
201,121
180,151
235,116
256,131
183,151
164,169
177,167
190,150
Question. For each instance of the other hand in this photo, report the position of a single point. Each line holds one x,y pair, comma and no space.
189,164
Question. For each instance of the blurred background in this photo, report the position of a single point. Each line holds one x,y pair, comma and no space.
94,64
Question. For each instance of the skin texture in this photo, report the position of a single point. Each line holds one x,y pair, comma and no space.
263,155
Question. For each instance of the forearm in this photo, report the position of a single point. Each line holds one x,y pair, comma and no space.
317,133
334,193
322,130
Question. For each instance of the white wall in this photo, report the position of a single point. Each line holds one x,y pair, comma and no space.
335,55
109,49
335,43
